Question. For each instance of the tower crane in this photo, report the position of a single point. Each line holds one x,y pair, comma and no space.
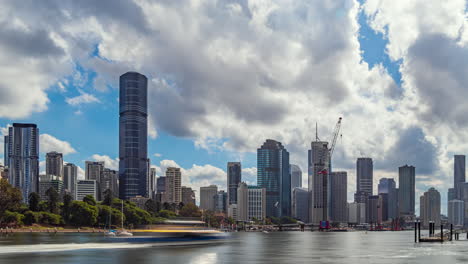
336,132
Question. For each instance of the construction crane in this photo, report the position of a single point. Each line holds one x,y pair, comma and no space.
336,132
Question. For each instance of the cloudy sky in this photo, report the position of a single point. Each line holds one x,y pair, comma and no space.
227,74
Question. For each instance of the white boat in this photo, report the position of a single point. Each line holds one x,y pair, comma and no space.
110,232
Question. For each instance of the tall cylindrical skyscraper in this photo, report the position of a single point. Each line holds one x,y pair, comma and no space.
133,135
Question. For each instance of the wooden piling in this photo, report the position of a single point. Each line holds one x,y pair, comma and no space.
451,232
415,232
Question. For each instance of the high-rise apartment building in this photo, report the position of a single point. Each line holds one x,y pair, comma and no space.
70,177
319,156
207,197
93,170
406,190
173,187
430,207
273,175
188,195
22,157
251,202
221,202
161,189
242,202
152,183
109,181
356,213
49,181
339,197
234,177
54,164
133,135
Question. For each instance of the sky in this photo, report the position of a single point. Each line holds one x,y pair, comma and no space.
224,75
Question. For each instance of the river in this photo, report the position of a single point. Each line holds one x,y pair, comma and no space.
277,247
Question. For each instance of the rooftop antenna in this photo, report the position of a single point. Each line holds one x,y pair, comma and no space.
316,132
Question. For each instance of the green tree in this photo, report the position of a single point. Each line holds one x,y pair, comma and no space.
50,219
10,197
166,214
136,216
12,218
83,214
152,206
89,199
190,210
53,200
66,208
43,206
108,196
287,220
31,217
106,211
34,200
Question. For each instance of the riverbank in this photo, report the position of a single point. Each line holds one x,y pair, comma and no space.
45,229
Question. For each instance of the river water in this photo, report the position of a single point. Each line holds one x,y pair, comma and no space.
277,247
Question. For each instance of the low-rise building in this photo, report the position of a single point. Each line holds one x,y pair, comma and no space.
86,187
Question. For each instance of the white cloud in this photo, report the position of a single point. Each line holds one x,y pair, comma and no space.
83,98
48,143
108,161
158,155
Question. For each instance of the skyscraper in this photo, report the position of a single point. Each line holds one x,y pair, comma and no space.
339,196
109,181
152,183
364,178
161,189
22,157
273,175
54,164
207,197
300,204
456,213
173,185
133,135
188,195
93,170
70,176
388,186
458,173
319,156
430,207
234,177
296,176
406,190
242,202
221,202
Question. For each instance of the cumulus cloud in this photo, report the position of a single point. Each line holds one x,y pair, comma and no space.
83,98
108,161
48,143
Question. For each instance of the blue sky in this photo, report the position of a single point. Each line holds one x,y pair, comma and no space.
226,75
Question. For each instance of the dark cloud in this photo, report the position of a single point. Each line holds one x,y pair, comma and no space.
439,67
413,149
36,43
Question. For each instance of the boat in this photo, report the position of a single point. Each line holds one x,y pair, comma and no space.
110,232
123,233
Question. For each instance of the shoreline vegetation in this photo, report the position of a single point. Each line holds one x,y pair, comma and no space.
60,213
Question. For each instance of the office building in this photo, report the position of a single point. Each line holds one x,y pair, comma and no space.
188,195
356,213
300,204
234,177
256,203
388,186
296,176
458,174
430,208
383,209
93,170
273,175
152,183
160,189
54,164
232,211
70,176
364,179
207,197
406,190
456,213
133,135
49,181
140,201
221,202
242,202
374,204
173,187
318,170
86,187
109,181
451,194
339,197
22,157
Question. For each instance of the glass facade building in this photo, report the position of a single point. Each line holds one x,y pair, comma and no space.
22,157
234,177
273,175
406,190
133,135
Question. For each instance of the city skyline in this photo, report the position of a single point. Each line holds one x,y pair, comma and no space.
224,111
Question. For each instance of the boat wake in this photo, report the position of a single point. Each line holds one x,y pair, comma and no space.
41,248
